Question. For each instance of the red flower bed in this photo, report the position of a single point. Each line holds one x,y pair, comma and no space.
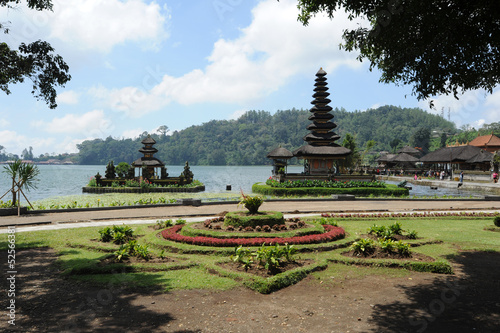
331,233
413,214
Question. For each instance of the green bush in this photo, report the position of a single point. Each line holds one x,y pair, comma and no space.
364,246
244,219
389,190
496,221
251,203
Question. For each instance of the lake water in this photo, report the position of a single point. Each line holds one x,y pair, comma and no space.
62,180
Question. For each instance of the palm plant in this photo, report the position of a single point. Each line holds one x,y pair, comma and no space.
24,175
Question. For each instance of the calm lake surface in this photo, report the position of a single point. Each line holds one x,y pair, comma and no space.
62,180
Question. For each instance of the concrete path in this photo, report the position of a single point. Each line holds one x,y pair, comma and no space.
294,207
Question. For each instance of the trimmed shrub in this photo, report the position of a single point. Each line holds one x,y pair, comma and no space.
496,221
389,190
241,218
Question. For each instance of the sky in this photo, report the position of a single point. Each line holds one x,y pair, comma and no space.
137,65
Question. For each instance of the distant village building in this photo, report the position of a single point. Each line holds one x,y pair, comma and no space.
489,142
459,157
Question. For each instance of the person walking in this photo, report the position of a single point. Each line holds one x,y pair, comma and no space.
461,177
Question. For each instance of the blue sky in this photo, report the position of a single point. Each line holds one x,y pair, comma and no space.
137,65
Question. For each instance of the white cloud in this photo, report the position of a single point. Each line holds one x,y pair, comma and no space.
132,133
91,124
92,24
11,140
15,143
100,25
68,97
4,122
237,114
466,110
272,49
68,145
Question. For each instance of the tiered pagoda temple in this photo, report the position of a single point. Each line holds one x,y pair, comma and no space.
321,151
148,163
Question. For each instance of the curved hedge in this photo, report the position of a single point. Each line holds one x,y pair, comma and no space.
241,218
389,190
332,233
188,230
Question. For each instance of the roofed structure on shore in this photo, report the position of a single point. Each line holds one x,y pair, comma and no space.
280,157
489,142
321,151
468,157
410,151
148,162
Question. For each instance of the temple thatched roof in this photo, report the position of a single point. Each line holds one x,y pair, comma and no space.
280,153
404,158
483,157
322,151
150,162
452,154
410,150
386,158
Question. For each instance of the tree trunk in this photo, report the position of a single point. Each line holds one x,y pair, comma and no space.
13,193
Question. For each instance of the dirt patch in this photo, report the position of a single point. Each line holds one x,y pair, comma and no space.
417,302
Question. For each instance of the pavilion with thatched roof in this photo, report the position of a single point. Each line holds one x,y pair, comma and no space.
410,151
463,157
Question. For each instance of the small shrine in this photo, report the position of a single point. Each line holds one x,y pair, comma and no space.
321,151
148,164
151,177
280,157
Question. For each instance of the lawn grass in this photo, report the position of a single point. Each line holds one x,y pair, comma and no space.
199,267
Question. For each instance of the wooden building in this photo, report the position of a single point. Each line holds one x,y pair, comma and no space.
490,143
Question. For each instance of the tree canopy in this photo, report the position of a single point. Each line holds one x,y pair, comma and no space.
247,140
35,61
437,46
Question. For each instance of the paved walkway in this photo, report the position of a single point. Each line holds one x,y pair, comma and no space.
295,207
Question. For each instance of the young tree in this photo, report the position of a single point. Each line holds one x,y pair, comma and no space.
437,46
34,61
351,160
24,175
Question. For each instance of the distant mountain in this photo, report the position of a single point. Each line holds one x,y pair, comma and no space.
247,140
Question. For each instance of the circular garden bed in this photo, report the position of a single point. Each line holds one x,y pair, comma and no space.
224,239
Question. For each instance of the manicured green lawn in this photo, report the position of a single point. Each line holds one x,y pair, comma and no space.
199,267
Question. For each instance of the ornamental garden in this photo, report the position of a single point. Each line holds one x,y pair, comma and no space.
264,251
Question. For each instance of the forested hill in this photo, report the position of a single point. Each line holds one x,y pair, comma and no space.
247,140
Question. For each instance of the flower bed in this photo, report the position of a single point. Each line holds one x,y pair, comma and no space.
412,214
332,233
